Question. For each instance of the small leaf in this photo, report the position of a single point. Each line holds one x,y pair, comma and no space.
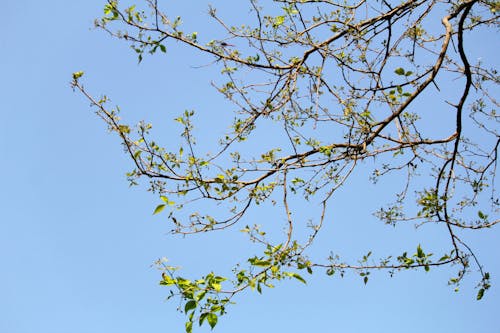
124,129
400,71
298,277
443,258
159,208
278,20
420,252
200,296
365,279
77,75
212,319
190,306
203,316
189,326
163,48
480,294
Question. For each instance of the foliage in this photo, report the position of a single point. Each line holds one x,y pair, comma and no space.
342,82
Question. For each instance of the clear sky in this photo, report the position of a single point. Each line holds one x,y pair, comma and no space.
77,244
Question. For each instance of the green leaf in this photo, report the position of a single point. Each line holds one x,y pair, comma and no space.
443,258
189,326
77,75
200,296
163,48
259,262
124,129
159,208
480,294
203,316
298,277
212,319
190,306
278,20
400,71
420,252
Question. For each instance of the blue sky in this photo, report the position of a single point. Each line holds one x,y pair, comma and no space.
77,244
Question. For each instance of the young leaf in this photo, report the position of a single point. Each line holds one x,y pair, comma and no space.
400,71
480,294
298,277
159,208
77,75
420,252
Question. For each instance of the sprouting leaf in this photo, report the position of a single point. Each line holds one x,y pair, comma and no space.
420,252
480,294
163,48
77,75
124,129
166,200
400,71
278,20
159,208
